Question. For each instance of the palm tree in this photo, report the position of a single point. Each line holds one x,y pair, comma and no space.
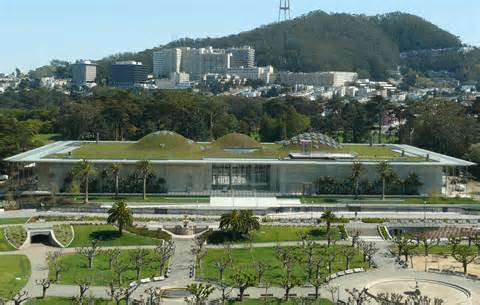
145,168
85,170
328,217
240,222
115,168
120,214
357,169
385,172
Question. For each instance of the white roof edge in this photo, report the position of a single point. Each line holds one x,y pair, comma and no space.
38,154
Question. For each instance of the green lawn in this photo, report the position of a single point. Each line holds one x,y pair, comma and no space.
14,274
13,221
108,236
139,199
275,234
389,200
173,146
279,302
4,244
63,301
243,258
101,275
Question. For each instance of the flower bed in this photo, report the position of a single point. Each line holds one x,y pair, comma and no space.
63,234
16,235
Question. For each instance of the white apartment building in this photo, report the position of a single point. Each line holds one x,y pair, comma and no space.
242,57
319,79
265,74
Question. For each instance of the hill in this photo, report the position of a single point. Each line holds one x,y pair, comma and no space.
319,41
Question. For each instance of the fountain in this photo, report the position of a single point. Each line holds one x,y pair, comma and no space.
450,293
186,228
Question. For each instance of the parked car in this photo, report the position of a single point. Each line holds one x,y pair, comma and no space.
3,177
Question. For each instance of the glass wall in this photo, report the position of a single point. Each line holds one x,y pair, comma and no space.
236,176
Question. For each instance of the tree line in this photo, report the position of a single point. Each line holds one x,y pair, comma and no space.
116,114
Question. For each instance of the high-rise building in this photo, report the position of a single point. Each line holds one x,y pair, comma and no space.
242,57
166,62
128,74
83,72
198,62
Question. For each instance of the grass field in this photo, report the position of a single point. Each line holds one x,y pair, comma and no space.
131,200
14,274
277,233
243,258
4,244
389,200
13,221
101,275
278,302
108,236
64,301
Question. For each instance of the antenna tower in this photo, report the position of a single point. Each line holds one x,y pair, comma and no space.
284,10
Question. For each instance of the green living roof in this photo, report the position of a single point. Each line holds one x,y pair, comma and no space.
165,145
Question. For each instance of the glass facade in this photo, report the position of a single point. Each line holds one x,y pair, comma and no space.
235,176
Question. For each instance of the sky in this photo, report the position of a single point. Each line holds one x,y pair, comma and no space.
32,32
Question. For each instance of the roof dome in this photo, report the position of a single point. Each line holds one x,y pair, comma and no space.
236,141
164,139
316,139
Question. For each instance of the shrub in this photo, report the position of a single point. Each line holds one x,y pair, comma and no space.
16,235
373,220
143,231
63,233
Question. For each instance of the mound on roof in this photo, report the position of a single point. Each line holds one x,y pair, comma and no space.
236,141
164,140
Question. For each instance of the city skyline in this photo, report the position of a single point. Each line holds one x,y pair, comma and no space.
35,33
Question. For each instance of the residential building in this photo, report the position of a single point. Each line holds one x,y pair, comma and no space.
83,72
243,57
128,74
320,79
166,62
265,74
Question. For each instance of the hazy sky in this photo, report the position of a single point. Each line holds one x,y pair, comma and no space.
32,32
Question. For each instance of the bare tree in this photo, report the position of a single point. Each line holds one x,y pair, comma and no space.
225,289
369,250
53,259
20,297
427,245
317,282
260,266
309,250
164,252
89,252
358,297
45,283
83,285
302,236
288,282
155,295
119,268
198,250
454,242
465,256
332,290
112,255
223,262
127,293
355,237
390,299
349,253
138,257
116,294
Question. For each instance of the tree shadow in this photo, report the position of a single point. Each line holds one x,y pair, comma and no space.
221,237
104,235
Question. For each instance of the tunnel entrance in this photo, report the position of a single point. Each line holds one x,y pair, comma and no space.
43,239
